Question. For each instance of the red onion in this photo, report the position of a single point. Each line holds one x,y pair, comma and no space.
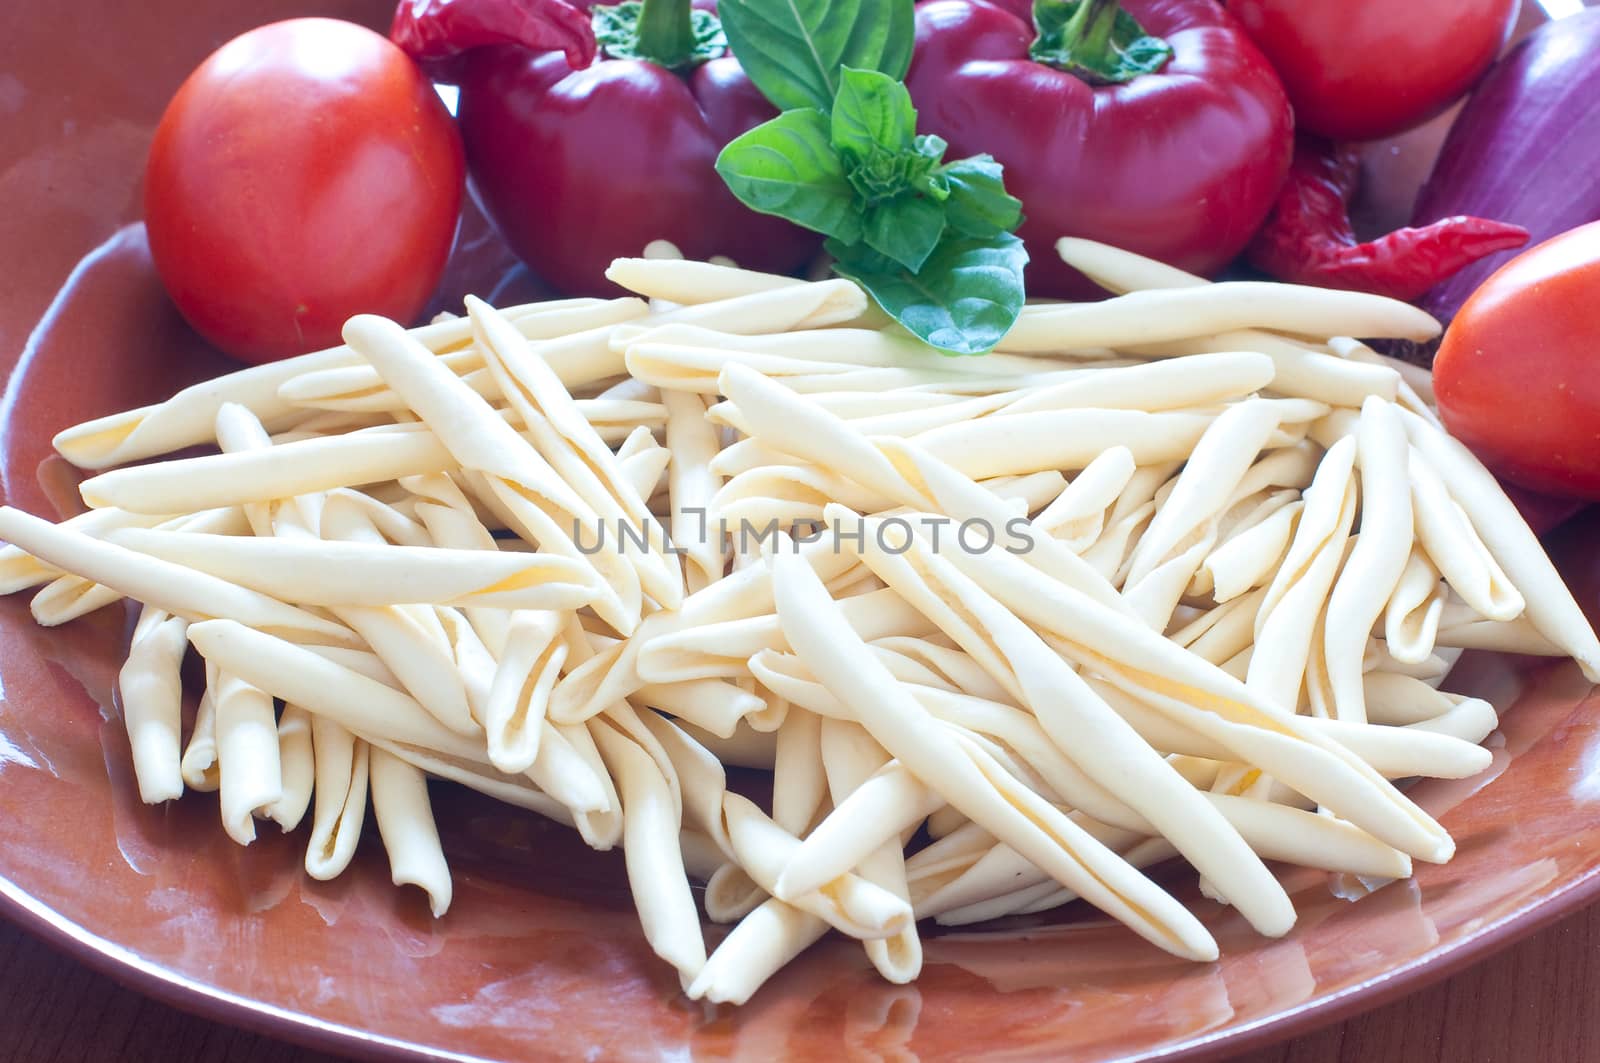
1525,149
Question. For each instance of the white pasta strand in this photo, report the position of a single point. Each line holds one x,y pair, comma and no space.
199,763
655,861
1378,559
297,768
152,703
405,822
247,752
1157,315
849,757
340,794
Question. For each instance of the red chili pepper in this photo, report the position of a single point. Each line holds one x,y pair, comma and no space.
438,33
580,162
1160,128
1308,238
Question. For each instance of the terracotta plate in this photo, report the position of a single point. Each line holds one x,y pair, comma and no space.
540,955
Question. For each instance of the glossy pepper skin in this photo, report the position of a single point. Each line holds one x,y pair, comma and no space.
1181,165
580,166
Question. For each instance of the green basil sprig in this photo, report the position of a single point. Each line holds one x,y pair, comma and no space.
930,241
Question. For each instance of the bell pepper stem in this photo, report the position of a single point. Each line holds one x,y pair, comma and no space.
1088,31
1095,40
666,33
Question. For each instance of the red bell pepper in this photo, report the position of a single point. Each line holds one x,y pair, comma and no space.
1160,128
578,162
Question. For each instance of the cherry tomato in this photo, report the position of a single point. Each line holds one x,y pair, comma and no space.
1518,372
1368,69
305,172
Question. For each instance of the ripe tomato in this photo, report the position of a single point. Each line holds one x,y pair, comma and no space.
305,172
1518,372
1368,69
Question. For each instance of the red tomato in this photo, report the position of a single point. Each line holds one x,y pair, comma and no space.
1368,69
304,173
1518,372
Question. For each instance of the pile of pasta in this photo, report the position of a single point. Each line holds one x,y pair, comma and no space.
1176,574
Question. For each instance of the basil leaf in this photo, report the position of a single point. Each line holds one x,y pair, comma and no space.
872,113
930,147
965,298
616,30
905,229
883,175
793,49
978,204
788,167
930,180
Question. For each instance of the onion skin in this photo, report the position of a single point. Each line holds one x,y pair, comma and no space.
1525,149
1543,513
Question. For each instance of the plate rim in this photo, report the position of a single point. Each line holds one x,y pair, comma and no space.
204,1000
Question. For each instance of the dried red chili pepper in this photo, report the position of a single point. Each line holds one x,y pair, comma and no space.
1308,238
438,33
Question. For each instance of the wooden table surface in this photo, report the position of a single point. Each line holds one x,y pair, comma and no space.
1538,1000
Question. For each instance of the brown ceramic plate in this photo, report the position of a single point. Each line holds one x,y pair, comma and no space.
540,956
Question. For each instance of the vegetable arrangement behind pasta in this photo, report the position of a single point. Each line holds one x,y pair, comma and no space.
1177,574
